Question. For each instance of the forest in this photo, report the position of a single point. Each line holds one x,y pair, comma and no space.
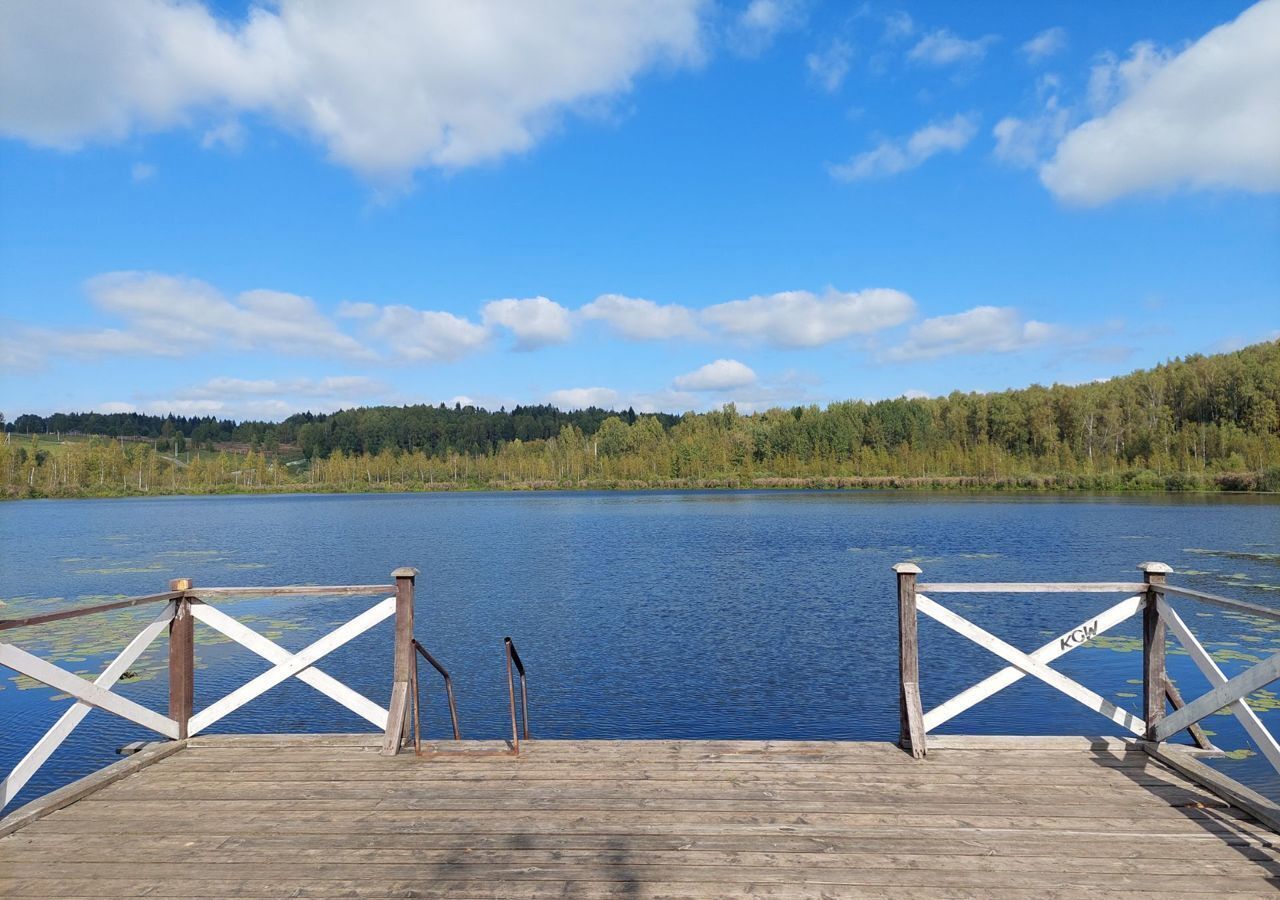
1196,423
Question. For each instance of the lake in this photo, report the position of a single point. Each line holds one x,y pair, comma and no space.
639,615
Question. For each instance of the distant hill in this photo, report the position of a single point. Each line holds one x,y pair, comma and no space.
1197,422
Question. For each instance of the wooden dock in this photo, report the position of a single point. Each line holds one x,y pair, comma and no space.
330,816
384,814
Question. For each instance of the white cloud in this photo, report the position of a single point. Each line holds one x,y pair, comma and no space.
581,398
419,335
263,399
142,171
942,48
228,135
536,322
721,375
915,394
804,319
898,25
386,87
668,401
756,27
892,157
983,329
1112,79
1204,118
1023,142
172,316
642,320
1045,44
20,354
350,310
829,67
336,386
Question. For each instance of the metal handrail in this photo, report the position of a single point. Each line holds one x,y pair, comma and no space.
513,657
448,688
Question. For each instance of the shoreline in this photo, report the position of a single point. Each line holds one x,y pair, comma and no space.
1223,484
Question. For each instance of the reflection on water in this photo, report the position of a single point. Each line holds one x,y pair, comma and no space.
694,615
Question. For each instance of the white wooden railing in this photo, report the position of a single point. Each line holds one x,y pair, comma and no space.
1150,597
184,605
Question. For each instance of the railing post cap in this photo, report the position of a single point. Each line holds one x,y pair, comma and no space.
405,572
906,568
1155,568
180,584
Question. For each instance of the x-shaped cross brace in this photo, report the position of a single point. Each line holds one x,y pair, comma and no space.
301,664
1033,664
89,695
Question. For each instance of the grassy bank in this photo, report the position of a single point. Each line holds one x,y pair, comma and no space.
1135,481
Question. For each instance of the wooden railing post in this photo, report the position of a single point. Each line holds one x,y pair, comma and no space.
182,652
1154,676
402,677
910,709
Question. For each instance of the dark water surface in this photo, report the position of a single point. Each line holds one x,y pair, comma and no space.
647,615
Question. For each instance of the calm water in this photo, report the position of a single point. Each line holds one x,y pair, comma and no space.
690,615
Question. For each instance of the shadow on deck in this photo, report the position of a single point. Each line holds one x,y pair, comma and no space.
328,816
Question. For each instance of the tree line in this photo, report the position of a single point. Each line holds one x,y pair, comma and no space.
1201,422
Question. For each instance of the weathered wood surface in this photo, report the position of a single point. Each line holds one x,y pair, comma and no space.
1253,609
53,738
296,590
1028,664
328,815
293,665
911,728
1022,587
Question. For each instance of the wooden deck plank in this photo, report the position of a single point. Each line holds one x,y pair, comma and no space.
594,867
260,816
235,855
1167,854
506,890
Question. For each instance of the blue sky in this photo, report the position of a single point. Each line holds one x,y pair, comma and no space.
250,210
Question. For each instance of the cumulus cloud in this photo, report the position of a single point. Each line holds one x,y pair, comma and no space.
584,397
264,399
641,320
142,171
804,319
334,386
829,67
19,354
386,87
892,157
983,329
171,316
535,322
721,375
419,335
897,26
761,21
350,310
1200,119
1023,142
942,48
1045,44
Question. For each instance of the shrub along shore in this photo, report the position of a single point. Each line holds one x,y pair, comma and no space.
1204,423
